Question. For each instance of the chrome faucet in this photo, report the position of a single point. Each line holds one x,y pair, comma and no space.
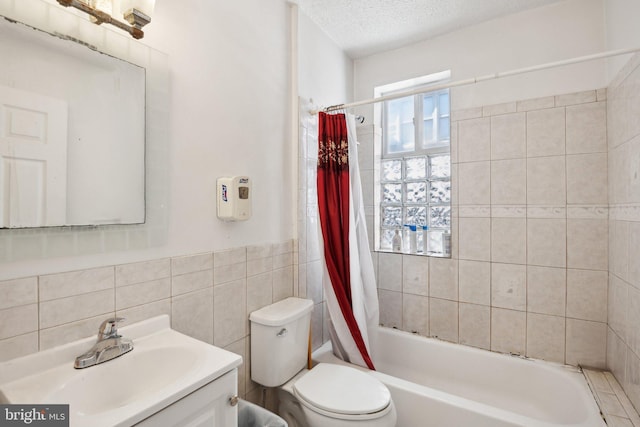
109,345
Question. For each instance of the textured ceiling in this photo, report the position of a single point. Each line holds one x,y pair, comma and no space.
365,27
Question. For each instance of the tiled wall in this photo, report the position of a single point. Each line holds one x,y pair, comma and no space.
530,235
623,338
208,297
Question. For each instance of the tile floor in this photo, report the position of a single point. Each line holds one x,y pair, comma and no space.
614,404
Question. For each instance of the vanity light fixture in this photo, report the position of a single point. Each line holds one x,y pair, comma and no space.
136,12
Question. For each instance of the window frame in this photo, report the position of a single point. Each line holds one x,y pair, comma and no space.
421,149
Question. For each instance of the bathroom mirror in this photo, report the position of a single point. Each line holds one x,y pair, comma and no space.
72,132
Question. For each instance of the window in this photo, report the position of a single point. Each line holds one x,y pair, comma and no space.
415,172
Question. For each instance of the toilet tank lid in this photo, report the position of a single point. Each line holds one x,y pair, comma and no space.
282,312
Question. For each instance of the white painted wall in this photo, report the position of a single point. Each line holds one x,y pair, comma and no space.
229,115
325,71
622,30
551,33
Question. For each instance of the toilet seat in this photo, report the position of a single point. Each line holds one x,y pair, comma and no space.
342,392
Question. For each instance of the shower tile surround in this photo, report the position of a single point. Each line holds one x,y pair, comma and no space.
208,296
530,229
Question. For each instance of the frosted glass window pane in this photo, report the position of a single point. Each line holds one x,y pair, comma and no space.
399,125
440,166
440,217
392,193
440,191
391,216
386,238
434,242
416,168
391,170
415,215
416,192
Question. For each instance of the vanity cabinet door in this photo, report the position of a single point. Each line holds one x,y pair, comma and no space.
208,406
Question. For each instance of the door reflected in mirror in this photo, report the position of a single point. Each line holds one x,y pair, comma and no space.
72,133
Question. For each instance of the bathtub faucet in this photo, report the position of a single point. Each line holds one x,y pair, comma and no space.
109,345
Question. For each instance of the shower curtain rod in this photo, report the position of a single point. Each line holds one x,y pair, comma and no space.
474,80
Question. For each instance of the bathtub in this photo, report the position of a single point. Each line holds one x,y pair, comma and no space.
439,384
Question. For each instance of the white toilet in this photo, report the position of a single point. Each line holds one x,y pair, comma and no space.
328,395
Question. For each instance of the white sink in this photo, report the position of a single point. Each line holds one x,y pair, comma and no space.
163,367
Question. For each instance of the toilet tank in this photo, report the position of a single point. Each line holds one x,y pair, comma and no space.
279,340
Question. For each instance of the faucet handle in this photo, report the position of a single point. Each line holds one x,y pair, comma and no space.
109,328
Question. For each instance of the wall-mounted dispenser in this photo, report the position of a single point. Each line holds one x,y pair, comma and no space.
234,198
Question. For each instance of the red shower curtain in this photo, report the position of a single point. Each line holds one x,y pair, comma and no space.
333,208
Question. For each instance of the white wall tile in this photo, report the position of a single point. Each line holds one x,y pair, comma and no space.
587,242
259,291
414,274
231,272
73,331
282,283
475,325
127,274
587,128
443,319
546,181
536,104
18,320
229,256
508,139
587,179
475,239
18,292
546,132
146,311
547,242
509,182
586,343
474,140
65,310
576,98
474,183
390,308
259,251
189,282
443,278
509,240
390,271
587,294
618,295
142,293
258,265
546,337
19,346
508,331
192,314
415,314
509,286
61,285
191,263
229,312
474,282
546,290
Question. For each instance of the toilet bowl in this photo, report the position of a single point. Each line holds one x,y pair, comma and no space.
328,395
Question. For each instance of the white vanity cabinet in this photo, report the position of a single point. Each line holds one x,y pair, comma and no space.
210,406
169,379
